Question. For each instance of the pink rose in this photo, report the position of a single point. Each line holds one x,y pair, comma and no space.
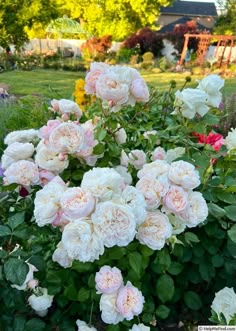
46,130
176,199
158,154
45,176
120,136
129,302
22,172
77,202
96,69
108,280
139,90
137,158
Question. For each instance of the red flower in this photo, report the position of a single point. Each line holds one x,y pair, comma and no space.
216,140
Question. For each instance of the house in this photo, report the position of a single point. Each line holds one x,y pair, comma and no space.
203,13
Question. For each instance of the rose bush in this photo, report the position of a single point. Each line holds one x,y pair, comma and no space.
126,215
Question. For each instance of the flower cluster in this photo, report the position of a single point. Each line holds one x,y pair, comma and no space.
116,86
216,140
118,301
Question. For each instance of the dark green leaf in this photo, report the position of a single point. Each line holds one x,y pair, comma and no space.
190,237
16,270
165,288
163,311
135,261
99,149
192,300
19,323
175,268
83,294
4,231
35,324
231,212
217,261
216,211
232,233
16,220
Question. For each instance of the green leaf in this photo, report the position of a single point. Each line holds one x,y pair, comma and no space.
71,292
226,197
22,234
175,268
217,261
16,270
4,231
163,311
3,254
190,237
16,219
19,323
83,294
232,233
216,211
231,212
165,288
99,149
192,300
135,261
35,324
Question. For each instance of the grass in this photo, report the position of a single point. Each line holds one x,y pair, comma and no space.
60,84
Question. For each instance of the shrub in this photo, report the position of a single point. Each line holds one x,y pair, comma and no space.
96,48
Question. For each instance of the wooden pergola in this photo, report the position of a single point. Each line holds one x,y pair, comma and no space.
204,41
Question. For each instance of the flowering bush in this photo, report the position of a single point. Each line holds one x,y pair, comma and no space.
118,209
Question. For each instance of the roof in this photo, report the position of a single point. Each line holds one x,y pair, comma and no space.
192,8
170,27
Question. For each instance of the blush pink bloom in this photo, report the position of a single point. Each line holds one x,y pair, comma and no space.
139,90
137,158
120,136
158,154
96,69
45,176
109,88
154,231
68,138
22,172
129,302
108,280
77,202
46,130
89,133
184,174
176,199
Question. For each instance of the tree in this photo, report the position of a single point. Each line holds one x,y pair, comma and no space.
19,15
118,18
226,23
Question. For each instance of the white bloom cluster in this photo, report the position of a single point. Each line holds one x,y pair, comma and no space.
118,301
116,85
40,301
190,102
102,212
82,326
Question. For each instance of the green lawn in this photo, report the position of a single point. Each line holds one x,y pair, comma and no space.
60,84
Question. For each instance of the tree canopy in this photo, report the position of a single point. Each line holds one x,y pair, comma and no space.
226,23
18,15
118,18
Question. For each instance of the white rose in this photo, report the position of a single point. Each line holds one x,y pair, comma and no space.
135,200
21,136
123,171
49,160
19,151
230,140
196,211
82,326
6,161
191,101
67,137
154,169
81,241
137,158
60,256
110,315
154,231
120,136
184,174
115,222
212,85
77,202
40,301
68,106
153,189
225,303
22,172
102,182
158,154
139,327
124,160
47,202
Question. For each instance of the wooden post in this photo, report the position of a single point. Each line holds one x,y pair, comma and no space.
183,54
230,51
